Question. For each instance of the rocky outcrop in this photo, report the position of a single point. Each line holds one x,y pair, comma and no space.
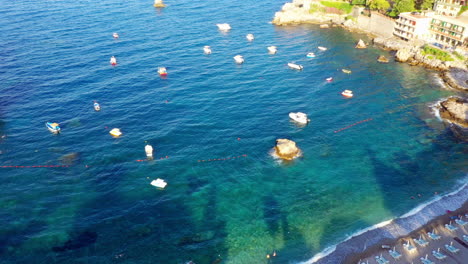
454,110
361,44
382,59
286,149
404,54
456,78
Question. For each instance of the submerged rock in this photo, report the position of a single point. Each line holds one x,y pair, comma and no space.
287,149
84,239
382,59
361,44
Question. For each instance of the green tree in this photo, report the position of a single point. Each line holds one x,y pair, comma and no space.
401,6
381,5
358,2
426,4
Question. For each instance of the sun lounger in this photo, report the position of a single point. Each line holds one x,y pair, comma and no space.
381,260
460,222
421,242
451,248
451,227
395,254
426,261
409,247
465,237
433,235
438,255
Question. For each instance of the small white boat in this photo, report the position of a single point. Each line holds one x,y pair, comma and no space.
113,61
224,27
310,55
239,59
295,66
160,183
115,35
207,50
149,151
329,79
53,127
272,50
346,71
250,37
322,48
115,132
96,106
347,93
162,71
299,117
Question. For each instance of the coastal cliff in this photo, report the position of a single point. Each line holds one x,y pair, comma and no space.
454,111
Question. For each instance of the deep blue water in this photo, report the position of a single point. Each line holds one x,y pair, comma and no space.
54,61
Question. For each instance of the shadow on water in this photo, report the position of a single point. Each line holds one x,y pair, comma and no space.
277,222
14,238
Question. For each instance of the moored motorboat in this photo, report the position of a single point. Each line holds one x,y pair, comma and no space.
310,55
329,79
224,27
295,66
239,59
160,183
115,35
115,132
53,127
113,61
347,93
149,151
162,71
346,71
322,48
272,50
250,37
96,106
299,117
207,50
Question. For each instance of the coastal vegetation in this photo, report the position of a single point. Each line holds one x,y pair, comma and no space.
437,53
342,6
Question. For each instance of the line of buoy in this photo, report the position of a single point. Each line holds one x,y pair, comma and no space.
362,121
161,158
221,159
35,166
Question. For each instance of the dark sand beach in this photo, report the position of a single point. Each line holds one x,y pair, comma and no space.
433,216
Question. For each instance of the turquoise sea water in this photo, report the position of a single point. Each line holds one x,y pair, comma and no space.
54,61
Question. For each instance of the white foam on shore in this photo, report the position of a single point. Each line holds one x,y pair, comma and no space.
330,249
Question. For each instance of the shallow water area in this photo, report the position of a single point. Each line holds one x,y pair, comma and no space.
212,124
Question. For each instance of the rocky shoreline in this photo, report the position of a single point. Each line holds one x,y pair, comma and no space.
454,73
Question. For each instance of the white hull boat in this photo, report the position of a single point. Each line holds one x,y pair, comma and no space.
115,132
160,183
347,93
224,27
53,127
295,66
272,50
322,48
310,55
207,50
250,37
113,61
149,151
239,59
96,106
299,117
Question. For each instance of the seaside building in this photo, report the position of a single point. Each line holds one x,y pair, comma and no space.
448,7
412,26
450,31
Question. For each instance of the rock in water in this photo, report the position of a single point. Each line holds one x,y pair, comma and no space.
361,44
404,54
287,149
159,3
455,111
382,59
